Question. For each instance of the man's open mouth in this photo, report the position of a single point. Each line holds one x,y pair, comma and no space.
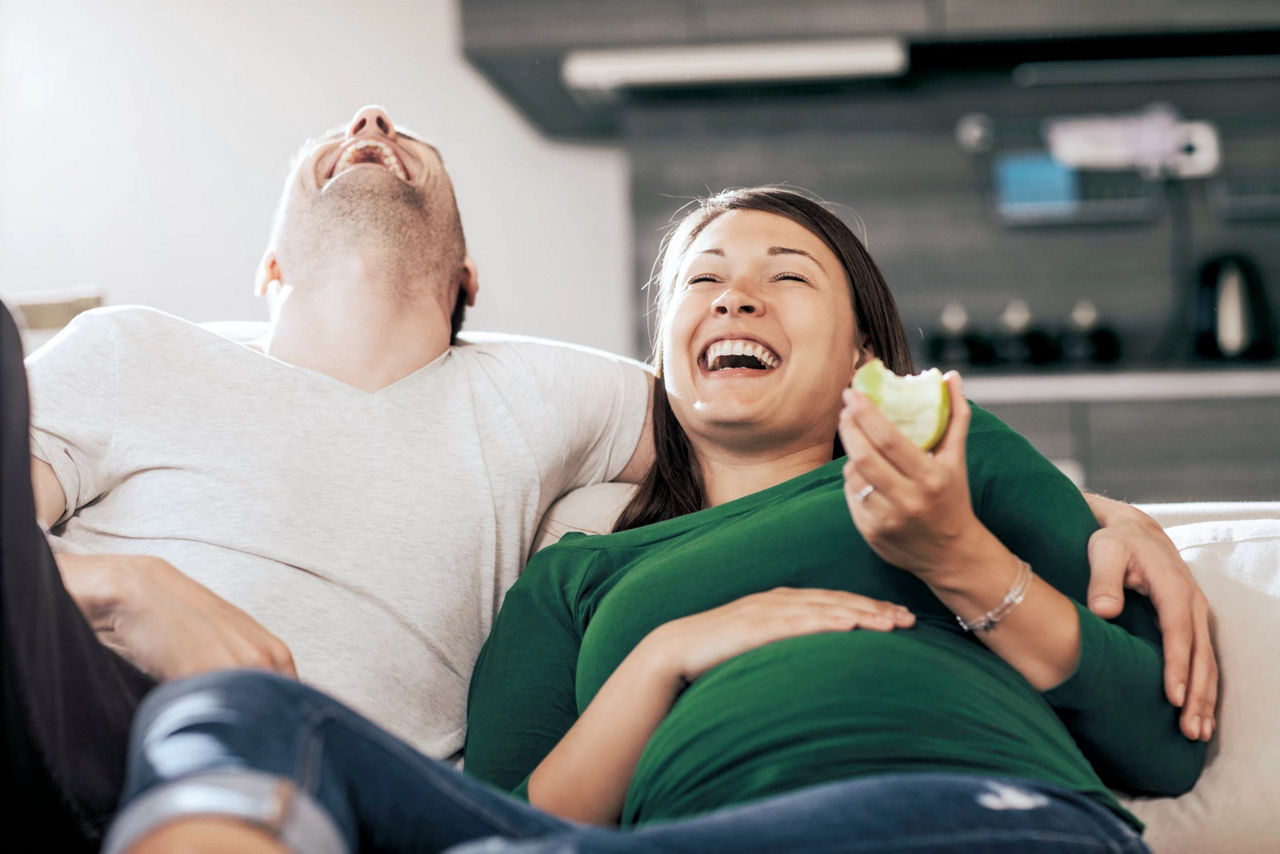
729,353
368,151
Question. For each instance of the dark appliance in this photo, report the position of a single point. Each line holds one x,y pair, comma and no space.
1230,315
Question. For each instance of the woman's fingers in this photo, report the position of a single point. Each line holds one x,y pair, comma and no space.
868,460
888,442
951,447
805,610
704,640
855,605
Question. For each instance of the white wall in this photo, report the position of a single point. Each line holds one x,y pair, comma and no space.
143,145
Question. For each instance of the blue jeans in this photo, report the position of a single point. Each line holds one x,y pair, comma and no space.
324,779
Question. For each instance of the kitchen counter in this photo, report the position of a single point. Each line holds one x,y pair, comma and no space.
1120,386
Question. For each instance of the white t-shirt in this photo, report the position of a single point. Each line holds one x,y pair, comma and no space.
374,533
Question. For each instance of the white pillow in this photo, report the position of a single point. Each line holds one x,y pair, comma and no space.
1235,806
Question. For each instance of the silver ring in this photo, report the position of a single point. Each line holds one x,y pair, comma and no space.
864,492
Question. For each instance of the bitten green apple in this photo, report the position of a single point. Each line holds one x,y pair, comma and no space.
918,405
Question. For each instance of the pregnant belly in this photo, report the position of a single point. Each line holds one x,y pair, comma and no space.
839,705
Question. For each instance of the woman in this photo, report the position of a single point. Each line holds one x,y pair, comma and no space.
724,672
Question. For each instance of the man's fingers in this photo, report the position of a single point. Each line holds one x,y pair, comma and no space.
1173,609
1108,562
284,659
1198,717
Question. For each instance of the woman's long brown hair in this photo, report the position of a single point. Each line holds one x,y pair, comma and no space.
674,484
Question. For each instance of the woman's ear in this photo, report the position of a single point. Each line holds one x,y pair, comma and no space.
865,354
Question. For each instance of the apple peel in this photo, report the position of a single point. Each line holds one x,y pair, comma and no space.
918,405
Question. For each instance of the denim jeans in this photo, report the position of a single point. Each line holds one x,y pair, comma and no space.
324,779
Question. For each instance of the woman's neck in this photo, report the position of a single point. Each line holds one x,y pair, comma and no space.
728,475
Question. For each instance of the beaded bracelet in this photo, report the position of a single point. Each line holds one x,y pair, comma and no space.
1016,594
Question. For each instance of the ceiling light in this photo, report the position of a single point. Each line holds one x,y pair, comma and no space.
605,71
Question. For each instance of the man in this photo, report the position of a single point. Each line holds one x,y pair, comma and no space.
349,502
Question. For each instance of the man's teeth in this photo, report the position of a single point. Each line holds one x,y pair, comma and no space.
358,154
717,356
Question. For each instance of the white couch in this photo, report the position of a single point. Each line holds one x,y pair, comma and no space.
1234,551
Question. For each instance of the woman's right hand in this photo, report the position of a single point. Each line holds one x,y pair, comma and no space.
693,645
586,776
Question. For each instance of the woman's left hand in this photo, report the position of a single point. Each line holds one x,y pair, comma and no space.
917,514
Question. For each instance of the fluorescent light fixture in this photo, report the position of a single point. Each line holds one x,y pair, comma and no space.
607,71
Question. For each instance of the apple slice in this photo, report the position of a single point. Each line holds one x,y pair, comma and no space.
918,405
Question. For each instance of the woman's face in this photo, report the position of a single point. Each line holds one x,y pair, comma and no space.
759,336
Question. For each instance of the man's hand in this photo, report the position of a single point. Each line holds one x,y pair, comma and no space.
168,625
1133,551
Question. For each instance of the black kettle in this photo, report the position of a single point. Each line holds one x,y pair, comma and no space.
1230,315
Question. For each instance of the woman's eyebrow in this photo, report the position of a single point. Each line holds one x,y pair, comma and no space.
786,250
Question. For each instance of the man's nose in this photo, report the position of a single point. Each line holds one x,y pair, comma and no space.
371,120
736,301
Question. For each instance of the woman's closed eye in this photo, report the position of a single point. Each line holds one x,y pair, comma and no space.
712,278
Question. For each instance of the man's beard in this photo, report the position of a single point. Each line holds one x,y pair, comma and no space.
360,217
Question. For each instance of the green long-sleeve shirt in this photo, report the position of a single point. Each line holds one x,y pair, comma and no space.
836,705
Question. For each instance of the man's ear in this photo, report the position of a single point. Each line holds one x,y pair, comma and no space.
268,272
470,279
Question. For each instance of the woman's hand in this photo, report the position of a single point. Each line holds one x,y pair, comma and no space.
586,776
695,644
917,514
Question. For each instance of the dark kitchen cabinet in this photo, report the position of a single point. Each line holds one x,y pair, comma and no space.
759,20
558,25
1185,450
1159,450
1053,18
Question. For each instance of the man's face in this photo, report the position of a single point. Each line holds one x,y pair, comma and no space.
368,187
369,148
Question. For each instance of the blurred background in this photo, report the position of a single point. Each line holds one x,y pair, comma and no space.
1076,204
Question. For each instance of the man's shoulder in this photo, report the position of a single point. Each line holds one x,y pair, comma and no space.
134,319
485,342
535,352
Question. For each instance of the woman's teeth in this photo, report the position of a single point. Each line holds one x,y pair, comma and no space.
739,353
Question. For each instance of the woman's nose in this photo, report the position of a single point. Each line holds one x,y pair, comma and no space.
371,120
734,301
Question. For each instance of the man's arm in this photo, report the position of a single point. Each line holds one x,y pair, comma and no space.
642,458
1132,551
153,614
51,501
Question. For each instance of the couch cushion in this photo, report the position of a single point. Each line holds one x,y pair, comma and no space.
1234,805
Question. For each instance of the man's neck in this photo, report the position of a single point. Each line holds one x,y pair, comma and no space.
365,334
728,474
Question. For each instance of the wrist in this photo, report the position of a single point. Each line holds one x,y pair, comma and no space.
1110,512
657,659
971,556
97,583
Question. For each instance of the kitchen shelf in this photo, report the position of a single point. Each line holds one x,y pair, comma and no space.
1121,386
